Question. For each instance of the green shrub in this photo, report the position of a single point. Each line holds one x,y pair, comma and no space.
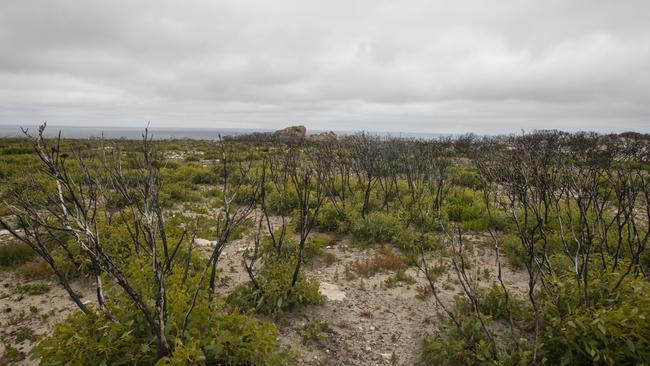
314,246
479,224
25,333
204,176
470,345
316,331
34,289
39,269
514,251
462,207
492,302
245,194
378,227
11,355
13,254
116,201
399,276
214,336
454,346
275,295
331,219
214,193
467,178
282,203
613,330
178,193
192,157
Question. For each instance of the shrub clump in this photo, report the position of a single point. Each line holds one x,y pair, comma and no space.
214,335
316,331
614,329
34,289
383,260
14,254
273,293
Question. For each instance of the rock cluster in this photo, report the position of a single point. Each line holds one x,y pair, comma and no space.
291,133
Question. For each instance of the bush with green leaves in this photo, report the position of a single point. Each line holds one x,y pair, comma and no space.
492,302
316,331
245,195
333,219
514,250
466,178
463,207
399,277
213,335
282,202
468,344
273,293
468,209
178,193
612,329
34,288
378,227
13,254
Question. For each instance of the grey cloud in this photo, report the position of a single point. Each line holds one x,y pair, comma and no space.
429,66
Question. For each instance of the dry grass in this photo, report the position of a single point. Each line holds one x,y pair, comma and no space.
423,292
329,258
366,314
35,270
387,260
383,260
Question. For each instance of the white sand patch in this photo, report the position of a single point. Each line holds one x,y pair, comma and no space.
331,291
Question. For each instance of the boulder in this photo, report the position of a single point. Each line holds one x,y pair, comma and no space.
324,136
291,133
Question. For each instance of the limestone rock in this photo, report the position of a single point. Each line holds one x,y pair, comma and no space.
291,133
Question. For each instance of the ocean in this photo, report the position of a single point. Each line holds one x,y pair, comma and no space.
131,133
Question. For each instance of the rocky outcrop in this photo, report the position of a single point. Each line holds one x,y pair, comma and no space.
323,136
291,133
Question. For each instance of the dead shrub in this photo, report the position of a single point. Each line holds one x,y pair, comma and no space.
35,270
383,260
366,314
329,258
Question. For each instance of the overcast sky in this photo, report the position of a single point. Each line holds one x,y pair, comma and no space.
431,66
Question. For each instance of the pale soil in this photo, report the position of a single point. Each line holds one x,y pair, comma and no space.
16,315
369,322
51,308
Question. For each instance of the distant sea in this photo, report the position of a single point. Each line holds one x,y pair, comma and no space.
131,133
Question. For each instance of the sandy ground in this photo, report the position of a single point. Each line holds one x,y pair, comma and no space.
370,323
32,313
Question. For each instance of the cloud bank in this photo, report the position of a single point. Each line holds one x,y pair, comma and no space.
430,66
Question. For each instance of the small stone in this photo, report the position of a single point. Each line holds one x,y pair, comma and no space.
372,328
368,349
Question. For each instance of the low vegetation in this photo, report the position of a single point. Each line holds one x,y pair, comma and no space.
566,213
